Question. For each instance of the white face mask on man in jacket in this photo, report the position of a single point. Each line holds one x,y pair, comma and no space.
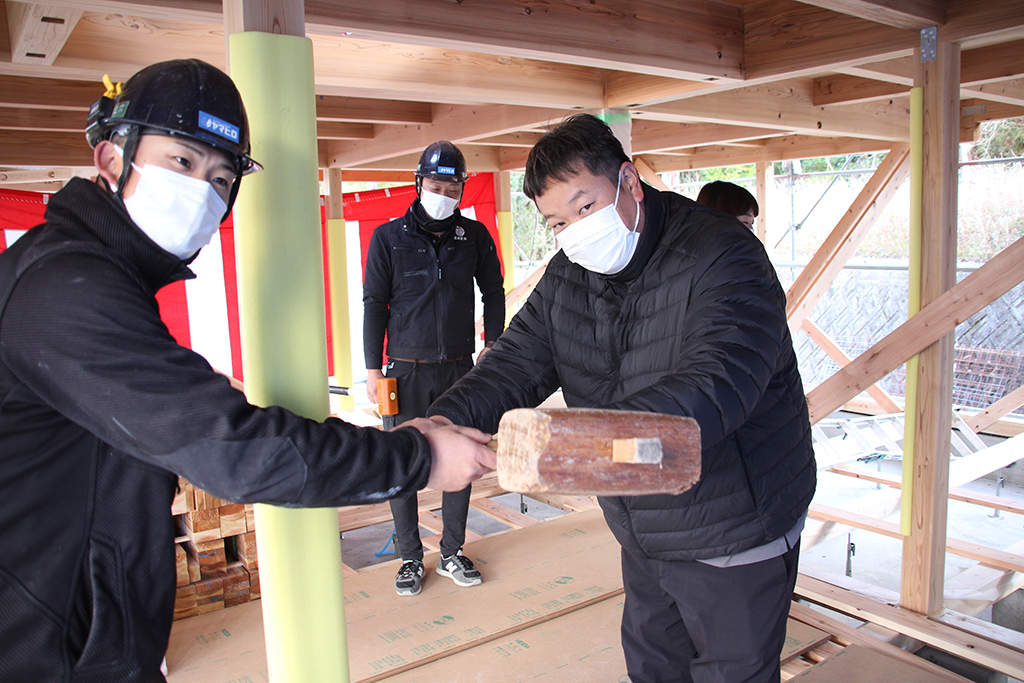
597,239
177,193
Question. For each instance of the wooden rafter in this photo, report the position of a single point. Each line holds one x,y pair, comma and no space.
814,280
678,40
788,106
1002,407
910,14
1001,273
821,338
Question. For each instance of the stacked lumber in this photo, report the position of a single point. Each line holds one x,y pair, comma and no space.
215,552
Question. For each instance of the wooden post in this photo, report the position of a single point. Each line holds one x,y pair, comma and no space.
337,260
765,178
503,206
281,311
921,585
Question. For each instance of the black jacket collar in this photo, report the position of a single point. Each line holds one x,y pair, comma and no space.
654,226
87,206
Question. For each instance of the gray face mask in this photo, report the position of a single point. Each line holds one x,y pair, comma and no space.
601,242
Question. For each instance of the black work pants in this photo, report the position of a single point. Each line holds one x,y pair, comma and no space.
419,385
689,622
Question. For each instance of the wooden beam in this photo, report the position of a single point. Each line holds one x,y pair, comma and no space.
910,14
13,177
1001,273
788,106
814,280
338,130
48,93
456,123
844,89
992,63
899,71
522,139
972,551
368,110
962,495
39,31
1006,92
65,120
649,137
679,40
348,66
503,513
357,176
846,633
978,67
787,37
774,149
628,89
38,148
957,642
1004,406
819,337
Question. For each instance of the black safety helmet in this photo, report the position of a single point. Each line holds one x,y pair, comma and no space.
183,97
441,160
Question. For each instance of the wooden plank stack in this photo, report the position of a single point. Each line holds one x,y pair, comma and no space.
215,552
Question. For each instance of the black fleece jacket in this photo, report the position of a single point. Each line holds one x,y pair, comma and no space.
421,294
695,326
100,411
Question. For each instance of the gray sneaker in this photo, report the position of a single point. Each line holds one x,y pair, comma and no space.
459,569
409,580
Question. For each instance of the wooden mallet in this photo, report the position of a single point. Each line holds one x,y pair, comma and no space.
582,451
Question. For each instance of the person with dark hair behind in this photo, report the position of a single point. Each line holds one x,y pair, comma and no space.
731,199
658,304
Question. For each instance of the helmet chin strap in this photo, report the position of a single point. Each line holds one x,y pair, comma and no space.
131,142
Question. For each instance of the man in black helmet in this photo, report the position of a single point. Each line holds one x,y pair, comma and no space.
101,410
418,287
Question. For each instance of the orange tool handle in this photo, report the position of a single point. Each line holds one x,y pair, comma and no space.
387,396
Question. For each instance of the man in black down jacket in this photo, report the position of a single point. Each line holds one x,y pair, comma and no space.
100,409
418,287
658,304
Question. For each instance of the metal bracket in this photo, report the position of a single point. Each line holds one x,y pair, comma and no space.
929,44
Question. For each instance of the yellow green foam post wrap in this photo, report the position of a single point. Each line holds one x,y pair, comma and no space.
341,340
913,300
281,311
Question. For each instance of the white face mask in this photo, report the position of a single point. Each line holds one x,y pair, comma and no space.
601,242
437,206
179,213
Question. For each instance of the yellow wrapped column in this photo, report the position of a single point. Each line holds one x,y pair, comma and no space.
281,311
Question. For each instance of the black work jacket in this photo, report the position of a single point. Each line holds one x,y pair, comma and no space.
100,411
423,298
695,326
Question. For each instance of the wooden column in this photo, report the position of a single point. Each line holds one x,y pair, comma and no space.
765,178
921,585
503,207
337,260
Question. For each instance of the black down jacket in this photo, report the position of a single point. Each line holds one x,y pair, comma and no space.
695,326
100,411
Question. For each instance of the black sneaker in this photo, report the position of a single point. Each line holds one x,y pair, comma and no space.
409,580
459,569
